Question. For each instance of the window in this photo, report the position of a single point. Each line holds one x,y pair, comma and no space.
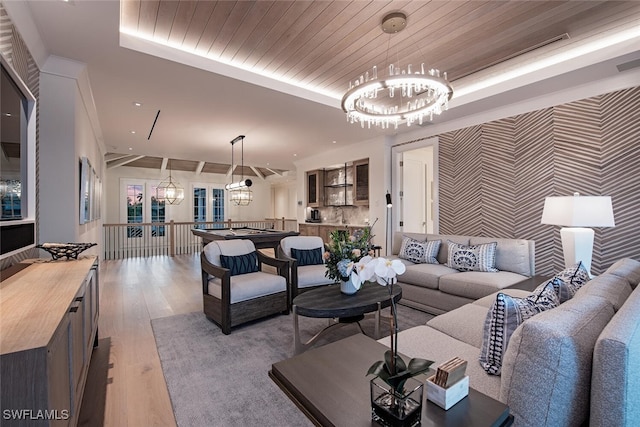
134,209
157,212
218,206
199,206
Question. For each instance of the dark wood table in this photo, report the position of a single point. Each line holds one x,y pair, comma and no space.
329,385
328,302
261,238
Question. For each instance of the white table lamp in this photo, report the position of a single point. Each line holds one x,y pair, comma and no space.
576,214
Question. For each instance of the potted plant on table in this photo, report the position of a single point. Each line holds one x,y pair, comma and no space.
396,396
344,252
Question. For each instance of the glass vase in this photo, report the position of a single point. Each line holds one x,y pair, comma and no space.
395,408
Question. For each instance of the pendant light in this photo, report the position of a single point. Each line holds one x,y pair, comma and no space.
239,192
170,191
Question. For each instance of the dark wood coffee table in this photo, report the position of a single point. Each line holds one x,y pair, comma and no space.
328,302
329,385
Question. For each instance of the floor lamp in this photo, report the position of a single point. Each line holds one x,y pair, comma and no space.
576,214
389,206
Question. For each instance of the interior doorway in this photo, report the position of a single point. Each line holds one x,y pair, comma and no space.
415,187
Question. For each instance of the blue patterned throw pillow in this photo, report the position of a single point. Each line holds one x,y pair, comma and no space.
567,282
307,256
240,264
472,258
419,252
504,317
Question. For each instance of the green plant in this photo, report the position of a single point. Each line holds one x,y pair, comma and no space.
344,251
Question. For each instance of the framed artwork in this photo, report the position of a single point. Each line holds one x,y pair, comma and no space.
90,192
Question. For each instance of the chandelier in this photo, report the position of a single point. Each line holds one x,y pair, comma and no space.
239,192
170,191
407,95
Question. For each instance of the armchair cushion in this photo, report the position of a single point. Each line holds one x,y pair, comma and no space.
300,242
312,275
240,264
307,256
248,286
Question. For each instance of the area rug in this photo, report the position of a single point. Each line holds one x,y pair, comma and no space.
222,380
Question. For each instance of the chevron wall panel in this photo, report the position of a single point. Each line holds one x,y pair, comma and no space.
15,51
591,146
621,177
498,160
533,144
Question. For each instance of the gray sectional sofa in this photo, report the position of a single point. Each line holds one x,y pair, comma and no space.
575,364
436,288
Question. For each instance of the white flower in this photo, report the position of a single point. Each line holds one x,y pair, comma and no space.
386,270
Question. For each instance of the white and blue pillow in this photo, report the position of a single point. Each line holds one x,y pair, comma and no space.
504,317
567,282
419,252
472,257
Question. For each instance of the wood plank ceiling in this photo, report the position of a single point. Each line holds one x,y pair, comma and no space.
323,45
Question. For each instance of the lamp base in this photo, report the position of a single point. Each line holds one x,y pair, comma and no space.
577,245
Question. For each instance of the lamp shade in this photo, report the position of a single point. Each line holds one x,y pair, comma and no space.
578,211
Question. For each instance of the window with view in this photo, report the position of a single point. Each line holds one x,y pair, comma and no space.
199,206
157,212
134,209
218,206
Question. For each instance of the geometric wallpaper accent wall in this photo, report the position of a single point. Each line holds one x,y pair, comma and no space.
494,177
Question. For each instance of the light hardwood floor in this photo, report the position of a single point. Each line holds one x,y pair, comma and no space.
126,386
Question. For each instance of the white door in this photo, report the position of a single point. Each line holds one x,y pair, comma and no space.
414,207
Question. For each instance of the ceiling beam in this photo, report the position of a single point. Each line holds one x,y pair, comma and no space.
257,172
230,170
123,162
200,167
275,172
110,157
163,167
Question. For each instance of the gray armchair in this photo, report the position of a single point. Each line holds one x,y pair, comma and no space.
235,289
307,272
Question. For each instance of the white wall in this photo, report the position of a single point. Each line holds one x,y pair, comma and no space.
67,133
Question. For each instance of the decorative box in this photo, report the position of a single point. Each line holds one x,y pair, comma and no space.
447,397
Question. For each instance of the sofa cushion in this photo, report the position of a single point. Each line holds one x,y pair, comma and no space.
476,284
443,254
248,286
627,268
464,323
615,381
614,289
546,371
428,343
419,251
307,256
424,275
502,319
472,257
515,255
240,264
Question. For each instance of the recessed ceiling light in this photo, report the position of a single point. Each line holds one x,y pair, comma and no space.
130,148
137,104
132,131
295,155
334,142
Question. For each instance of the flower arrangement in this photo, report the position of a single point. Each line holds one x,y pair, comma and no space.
393,370
345,253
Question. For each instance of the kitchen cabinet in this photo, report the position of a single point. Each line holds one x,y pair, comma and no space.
314,188
347,185
308,230
49,317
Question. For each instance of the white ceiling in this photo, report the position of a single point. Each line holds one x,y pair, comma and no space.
203,109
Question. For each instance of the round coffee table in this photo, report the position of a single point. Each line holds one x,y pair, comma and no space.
329,302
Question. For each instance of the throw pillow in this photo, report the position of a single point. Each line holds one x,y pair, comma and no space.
419,252
504,317
472,258
307,256
568,281
240,264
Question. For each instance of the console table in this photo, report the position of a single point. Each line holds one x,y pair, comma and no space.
329,384
49,318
